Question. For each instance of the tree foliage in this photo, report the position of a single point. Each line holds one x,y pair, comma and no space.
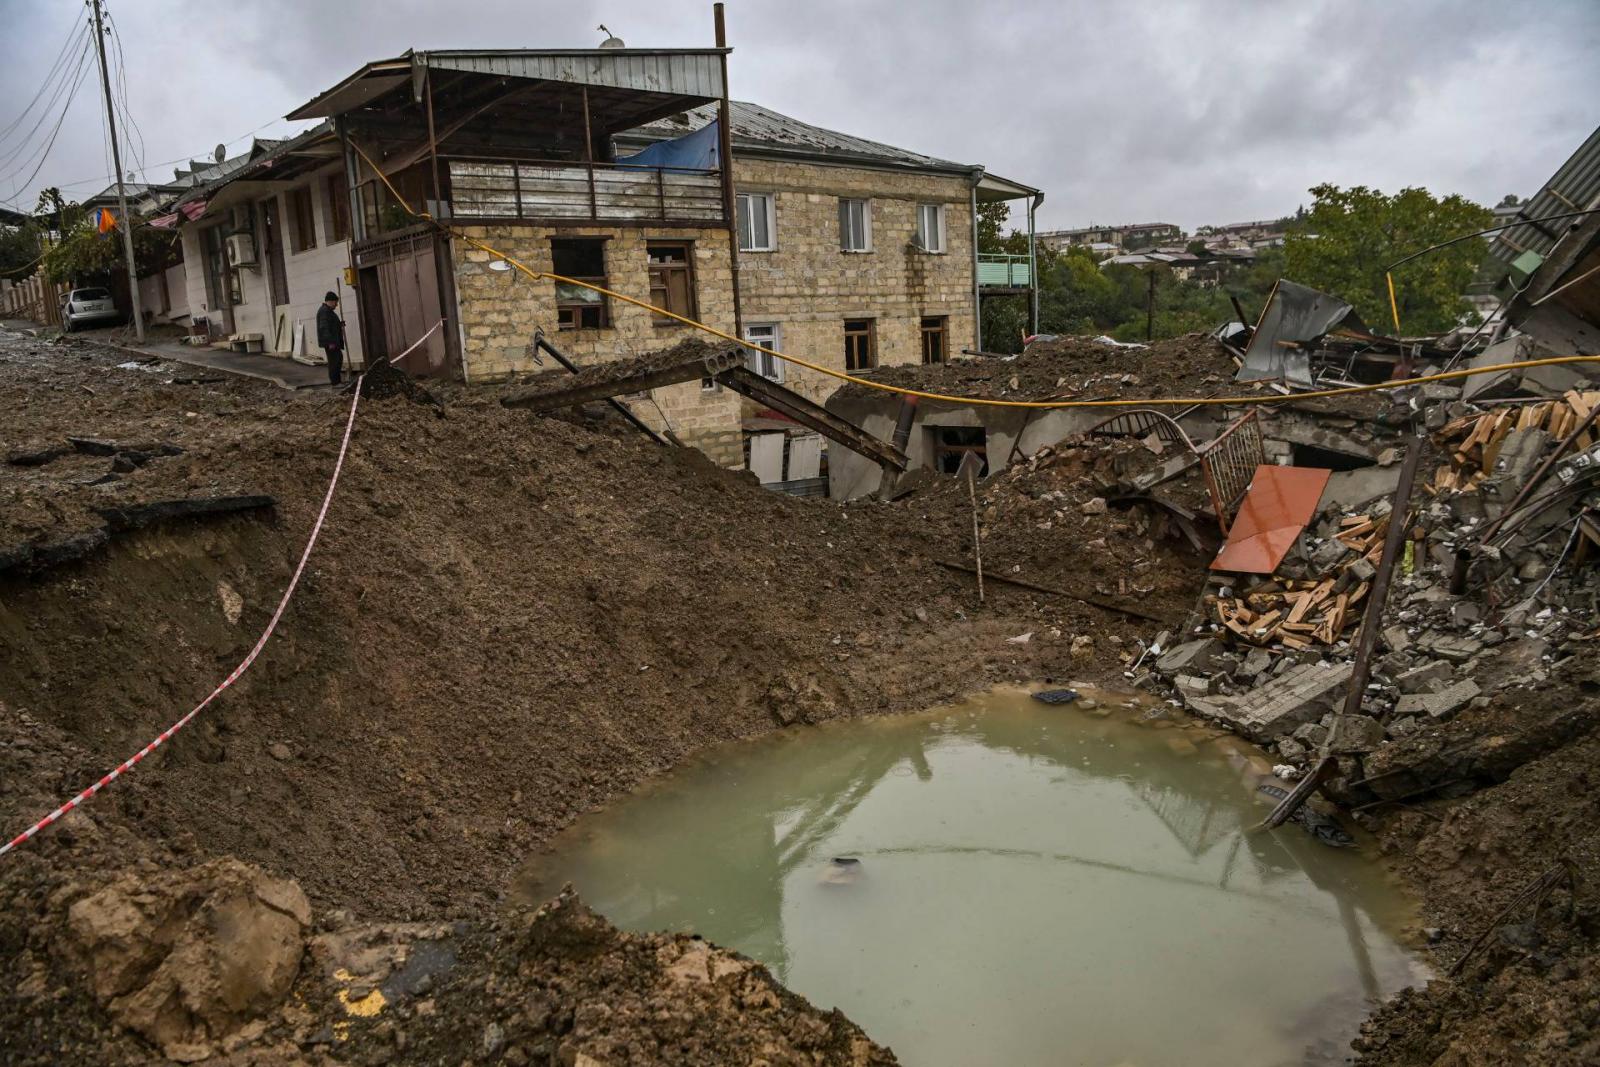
1349,236
84,254
20,247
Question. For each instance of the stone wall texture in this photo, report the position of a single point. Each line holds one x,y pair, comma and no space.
807,286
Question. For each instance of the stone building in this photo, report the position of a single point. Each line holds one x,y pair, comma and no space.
601,165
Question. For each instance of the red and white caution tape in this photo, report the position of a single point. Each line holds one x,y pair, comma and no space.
261,642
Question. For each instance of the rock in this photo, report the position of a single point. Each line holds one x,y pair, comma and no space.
279,751
232,603
921,613
1095,506
1190,657
1422,679
1082,646
1395,638
1311,734
1465,613
1256,661
1361,569
1020,639
1354,734
1291,750
187,957
1192,685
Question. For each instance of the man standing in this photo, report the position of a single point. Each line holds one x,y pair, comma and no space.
330,335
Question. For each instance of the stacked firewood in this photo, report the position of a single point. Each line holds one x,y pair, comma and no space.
1472,442
1300,614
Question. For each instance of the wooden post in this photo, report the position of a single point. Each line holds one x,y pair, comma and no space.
969,470
1366,641
730,209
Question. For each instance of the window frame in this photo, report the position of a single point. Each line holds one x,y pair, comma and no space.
940,234
845,226
300,206
940,329
871,334
686,268
755,360
570,315
771,219
338,218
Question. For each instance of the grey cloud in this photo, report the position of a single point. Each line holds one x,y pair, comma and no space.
1190,111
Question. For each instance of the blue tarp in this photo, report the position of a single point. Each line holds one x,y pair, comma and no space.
692,151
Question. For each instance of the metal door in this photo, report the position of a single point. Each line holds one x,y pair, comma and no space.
407,274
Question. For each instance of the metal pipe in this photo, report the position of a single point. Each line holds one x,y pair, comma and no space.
588,157
1033,269
977,295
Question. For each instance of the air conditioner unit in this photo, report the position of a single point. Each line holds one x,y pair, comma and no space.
241,250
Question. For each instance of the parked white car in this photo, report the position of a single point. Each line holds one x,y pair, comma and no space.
85,307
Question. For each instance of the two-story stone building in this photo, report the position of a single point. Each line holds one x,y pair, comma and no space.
602,165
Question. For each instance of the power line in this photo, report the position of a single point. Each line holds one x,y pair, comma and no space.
49,77
65,85
44,153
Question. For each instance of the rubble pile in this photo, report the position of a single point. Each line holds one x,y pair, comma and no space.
1492,592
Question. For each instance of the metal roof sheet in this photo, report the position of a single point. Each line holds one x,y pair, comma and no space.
676,72
757,128
1277,506
1574,187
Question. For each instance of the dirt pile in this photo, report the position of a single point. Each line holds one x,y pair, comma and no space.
564,986
1077,367
508,620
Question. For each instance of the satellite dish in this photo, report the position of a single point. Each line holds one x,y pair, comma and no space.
612,40
220,153
499,265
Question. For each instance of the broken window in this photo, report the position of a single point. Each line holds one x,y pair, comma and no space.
338,209
765,364
671,279
952,443
302,220
855,225
930,228
860,344
582,259
934,333
758,226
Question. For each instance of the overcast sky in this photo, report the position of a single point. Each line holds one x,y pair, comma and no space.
1184,111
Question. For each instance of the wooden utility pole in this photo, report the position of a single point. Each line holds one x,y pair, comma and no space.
124,223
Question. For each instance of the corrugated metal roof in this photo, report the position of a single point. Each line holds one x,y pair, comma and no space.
757,129
676,72
1575,187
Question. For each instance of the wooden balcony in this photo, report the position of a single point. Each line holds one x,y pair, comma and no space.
567,193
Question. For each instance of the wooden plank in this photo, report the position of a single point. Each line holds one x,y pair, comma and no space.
1302,604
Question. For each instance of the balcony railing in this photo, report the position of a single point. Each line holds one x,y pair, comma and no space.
576,192
1004,272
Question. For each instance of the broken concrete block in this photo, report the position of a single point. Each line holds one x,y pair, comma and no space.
1465,613
1425,679
1190,657
1355,734
1445,702
1256,661
1395,638
1299,695
1454,649
1291,750
1192,685
1312,735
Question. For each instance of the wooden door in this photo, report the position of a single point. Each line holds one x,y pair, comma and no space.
272,238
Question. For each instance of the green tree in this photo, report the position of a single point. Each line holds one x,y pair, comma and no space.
1349,236
20,247
83,253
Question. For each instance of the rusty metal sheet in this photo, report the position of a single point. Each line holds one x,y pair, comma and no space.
1277,506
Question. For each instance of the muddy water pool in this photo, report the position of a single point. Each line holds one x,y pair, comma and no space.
1022,884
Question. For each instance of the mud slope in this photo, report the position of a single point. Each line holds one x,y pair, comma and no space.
508,621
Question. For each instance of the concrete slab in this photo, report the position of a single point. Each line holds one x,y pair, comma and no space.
1297,696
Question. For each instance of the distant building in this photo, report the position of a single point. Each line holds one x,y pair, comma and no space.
1120,238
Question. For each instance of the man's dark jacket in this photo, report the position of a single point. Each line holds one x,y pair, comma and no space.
330,331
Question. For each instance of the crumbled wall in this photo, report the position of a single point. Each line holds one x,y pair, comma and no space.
501,310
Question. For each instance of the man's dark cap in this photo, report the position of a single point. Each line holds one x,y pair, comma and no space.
331,296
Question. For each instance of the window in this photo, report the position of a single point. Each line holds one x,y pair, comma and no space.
763,363
952,443
338,209
671,279
222,284
583,259
302,221
860,346
933,338
758,222
930,227
855,225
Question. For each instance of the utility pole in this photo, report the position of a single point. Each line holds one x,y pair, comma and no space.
124,223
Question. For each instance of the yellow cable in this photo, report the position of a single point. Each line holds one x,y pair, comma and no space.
1394,308
1272,398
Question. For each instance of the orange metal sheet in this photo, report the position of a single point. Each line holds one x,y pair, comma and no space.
1276,507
